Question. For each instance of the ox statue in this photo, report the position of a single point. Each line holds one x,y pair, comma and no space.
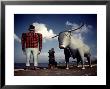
73,47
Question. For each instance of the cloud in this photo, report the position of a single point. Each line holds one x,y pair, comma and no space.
17,38
81,35
93,49
42,28
84,29
78,33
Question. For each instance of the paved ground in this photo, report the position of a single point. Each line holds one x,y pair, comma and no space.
60,71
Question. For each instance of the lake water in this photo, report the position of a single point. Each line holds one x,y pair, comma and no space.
22,65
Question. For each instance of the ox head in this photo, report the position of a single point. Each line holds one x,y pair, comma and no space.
64,37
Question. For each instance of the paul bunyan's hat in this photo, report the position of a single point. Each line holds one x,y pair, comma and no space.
31,27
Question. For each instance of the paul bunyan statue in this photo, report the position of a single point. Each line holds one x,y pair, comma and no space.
31,45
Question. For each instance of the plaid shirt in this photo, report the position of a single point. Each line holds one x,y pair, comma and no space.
31,40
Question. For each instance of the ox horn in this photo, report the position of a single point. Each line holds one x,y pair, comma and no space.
76,28
71,30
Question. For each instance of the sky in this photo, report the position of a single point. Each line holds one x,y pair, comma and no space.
50,25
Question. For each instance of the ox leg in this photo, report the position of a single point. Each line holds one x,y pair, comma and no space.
82,58
78,60
89,61
67,63
83,67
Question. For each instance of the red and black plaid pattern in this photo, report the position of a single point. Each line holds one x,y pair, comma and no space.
31,39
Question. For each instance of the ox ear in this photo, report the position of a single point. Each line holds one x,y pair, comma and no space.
55,36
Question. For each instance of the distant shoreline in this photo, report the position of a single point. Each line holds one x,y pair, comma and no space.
45,65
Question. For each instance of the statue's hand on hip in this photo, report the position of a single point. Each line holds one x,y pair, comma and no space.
24,51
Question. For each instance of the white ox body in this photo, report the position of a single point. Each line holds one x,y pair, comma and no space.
76,46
